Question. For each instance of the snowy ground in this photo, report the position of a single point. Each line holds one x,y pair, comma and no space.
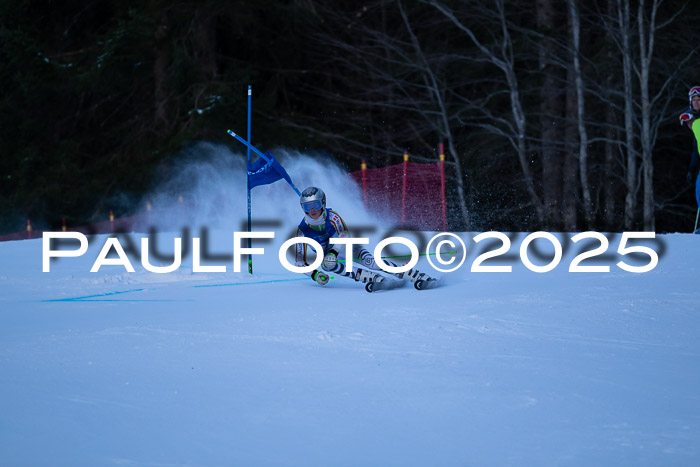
209,369
224,368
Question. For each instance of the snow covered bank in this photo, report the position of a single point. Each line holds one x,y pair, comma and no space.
501,369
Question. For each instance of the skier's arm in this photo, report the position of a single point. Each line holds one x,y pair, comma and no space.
341,230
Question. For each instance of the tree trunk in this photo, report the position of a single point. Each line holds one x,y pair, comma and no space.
580,116
609,193
571,178
646,51
551,116
623,15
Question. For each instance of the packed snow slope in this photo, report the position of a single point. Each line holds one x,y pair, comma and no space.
513,368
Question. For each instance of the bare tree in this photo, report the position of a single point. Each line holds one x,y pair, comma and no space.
625,37
647,30
409,91
552,105
479,78
441,119
610,143
504,60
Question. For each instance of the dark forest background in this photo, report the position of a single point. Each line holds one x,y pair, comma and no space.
555,114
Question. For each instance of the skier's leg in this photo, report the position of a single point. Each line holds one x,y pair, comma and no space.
363,273
339,268
357,274
367,260
697,199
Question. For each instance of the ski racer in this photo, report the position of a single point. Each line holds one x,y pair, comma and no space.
321,224
691,120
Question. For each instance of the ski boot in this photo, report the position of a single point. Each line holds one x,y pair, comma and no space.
368,278
420,280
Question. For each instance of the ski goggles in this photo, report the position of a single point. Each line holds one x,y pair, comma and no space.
315,205
694,91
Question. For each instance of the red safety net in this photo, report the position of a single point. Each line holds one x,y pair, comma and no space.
136,223
410,194
140,222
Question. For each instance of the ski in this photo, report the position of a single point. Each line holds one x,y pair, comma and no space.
386,284
425,284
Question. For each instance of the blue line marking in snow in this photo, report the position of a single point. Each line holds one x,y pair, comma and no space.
88,297
252,283
99,297
118,300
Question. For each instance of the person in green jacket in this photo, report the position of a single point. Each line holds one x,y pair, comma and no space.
691,119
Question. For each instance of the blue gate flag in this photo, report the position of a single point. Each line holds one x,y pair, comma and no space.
264,172
266,169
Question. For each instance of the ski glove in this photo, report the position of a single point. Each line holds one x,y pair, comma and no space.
320,277
330,260
685,118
